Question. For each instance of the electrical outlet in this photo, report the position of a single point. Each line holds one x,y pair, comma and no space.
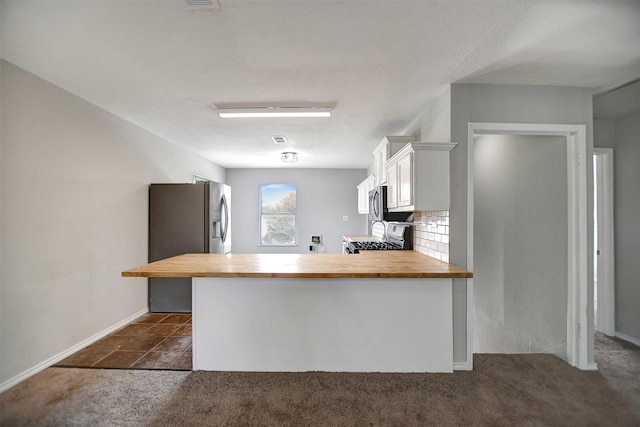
316,240
345,218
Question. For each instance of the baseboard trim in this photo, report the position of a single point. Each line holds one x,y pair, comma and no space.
627,338
592,366
462,366
68,352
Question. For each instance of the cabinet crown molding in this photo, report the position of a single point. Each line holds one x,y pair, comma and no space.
392,139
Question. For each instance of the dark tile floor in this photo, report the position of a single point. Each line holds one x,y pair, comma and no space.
152,341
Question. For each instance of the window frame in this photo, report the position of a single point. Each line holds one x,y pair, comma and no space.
261,214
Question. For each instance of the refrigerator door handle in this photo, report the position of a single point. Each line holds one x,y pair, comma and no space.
225,219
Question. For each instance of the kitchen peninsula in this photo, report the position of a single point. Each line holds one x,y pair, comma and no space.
377,311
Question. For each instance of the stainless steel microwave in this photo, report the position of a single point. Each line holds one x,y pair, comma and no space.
378,203
378,210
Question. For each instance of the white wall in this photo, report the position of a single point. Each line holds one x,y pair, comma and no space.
520,246
324,196
74,215
618,127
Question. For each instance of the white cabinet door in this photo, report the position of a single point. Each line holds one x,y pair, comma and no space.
381,155
392,185
363,193
405,181
363,201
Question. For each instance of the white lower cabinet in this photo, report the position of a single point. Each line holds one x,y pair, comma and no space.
363,193
418,177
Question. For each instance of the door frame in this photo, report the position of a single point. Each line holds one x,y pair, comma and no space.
603,157
577,305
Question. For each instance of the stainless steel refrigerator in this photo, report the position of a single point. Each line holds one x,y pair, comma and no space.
185,218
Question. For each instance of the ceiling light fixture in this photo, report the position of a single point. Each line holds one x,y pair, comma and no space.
289,156
260,112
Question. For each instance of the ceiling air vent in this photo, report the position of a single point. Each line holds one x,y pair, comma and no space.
279,139
203,4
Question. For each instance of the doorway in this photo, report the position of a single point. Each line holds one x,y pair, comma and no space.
577,304
603,254
520,244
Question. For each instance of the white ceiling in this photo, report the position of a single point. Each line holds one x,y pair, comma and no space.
160,64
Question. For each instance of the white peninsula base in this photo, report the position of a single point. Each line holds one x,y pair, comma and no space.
336,325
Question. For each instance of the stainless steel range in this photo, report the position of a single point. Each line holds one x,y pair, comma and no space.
394,237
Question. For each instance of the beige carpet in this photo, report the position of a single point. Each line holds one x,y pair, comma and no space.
529,390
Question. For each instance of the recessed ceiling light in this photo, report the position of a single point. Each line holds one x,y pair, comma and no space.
279,139
289,156
262,112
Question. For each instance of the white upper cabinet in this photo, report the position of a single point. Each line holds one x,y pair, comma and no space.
405,175
392,185
418,177
363,193
389,146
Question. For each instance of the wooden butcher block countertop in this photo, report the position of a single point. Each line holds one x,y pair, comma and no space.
367,264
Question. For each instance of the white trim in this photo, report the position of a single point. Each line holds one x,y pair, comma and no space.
470,218
470,309
577,223
462,366
194,324
606,262
68,352
628,338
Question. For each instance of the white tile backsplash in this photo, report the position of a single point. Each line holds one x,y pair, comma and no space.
432,239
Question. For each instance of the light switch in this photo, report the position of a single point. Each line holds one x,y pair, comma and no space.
345,218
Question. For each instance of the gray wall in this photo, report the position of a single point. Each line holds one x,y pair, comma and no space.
324,196
74,186
507,104
618,127
627,224
520,247
434,122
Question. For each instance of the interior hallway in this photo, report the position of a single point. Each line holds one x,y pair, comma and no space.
619,362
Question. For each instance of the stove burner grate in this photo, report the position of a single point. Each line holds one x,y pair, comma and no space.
374,246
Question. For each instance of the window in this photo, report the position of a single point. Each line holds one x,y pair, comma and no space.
278,214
